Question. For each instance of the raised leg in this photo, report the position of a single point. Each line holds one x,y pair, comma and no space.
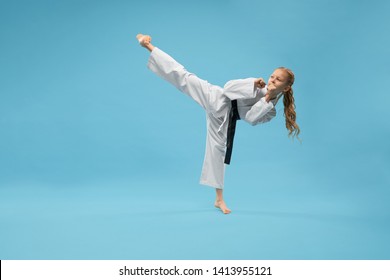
170,70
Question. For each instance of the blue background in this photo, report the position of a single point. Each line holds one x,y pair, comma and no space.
100,159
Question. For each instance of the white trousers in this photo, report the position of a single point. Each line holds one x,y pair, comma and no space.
208,96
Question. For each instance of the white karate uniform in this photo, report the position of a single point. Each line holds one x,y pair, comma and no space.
216,101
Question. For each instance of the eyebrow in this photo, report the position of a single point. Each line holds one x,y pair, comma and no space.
277,76
280,77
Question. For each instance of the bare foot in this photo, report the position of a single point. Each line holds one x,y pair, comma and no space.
145,41
221,205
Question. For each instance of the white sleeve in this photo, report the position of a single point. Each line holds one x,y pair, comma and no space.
240,89
260,112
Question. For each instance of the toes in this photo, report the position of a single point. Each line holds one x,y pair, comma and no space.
226,211
223,208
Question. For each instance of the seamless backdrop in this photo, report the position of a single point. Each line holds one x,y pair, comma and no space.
100,159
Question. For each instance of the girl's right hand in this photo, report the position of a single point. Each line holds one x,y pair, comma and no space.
259,83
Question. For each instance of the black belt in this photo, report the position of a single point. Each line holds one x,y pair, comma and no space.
233,117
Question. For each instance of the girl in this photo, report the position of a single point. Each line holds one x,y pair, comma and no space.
249,99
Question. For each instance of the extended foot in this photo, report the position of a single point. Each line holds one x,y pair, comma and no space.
221,205
145,41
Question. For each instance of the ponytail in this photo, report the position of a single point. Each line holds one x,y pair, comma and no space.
289,107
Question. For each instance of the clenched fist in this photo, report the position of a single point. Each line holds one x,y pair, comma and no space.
259,83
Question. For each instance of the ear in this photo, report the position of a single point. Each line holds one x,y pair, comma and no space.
286,89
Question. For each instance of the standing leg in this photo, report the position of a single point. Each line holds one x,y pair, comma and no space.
220,203
213,170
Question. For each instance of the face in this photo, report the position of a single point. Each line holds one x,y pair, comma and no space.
278,81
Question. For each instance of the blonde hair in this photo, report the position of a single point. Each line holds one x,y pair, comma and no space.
289,106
